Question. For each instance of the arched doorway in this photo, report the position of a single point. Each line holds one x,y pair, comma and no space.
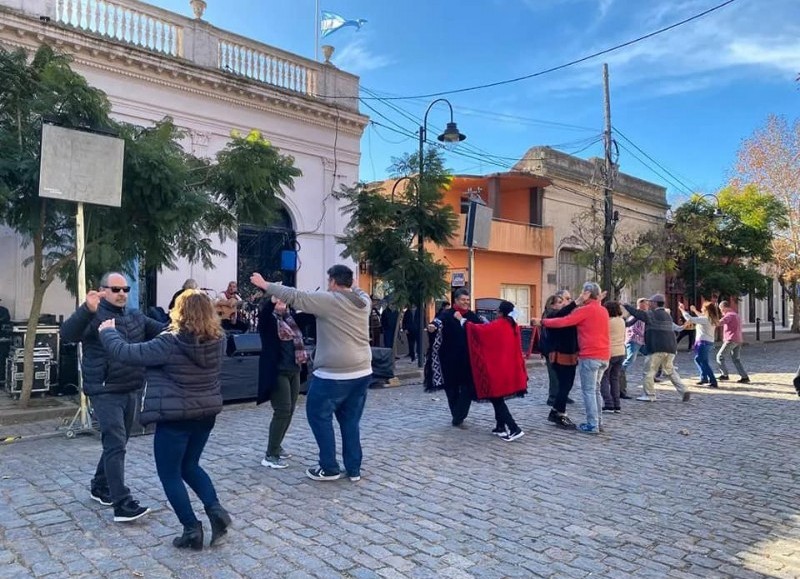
269,249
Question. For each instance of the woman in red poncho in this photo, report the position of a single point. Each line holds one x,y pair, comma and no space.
498,368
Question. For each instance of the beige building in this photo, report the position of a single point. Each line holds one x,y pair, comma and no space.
576,185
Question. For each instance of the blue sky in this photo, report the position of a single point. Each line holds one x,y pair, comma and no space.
685,98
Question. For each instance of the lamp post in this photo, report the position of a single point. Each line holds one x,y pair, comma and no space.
396,183
717,213
451,135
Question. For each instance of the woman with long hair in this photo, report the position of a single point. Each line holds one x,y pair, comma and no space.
498,367
182,397
705,327
282,357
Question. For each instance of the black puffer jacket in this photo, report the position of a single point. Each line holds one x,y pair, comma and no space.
100,374
182,374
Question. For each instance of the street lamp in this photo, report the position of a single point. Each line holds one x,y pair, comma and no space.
451,134
396,183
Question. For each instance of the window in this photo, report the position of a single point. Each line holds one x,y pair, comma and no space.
520,296
537,206
570,275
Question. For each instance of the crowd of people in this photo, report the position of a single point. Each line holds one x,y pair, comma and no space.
470,358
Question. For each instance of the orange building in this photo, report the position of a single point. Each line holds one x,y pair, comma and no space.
511,267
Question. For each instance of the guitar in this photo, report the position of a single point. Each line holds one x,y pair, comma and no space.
228,309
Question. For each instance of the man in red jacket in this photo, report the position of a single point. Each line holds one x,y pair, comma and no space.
594,349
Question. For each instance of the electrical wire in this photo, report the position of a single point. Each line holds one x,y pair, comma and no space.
507,166
659,165
492,115
560,66
664,176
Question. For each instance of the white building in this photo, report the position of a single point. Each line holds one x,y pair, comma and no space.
154,63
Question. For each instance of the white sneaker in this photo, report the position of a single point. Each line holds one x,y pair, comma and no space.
646,398
274,462
513,436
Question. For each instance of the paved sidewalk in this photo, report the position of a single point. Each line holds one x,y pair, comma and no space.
709,488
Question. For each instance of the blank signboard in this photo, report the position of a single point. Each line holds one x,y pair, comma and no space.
81,166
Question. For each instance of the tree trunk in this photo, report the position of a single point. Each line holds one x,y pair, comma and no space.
795,310
30,343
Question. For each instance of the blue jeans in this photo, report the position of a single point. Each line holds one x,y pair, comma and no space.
702,353
177,447
632,351
590,371
345,399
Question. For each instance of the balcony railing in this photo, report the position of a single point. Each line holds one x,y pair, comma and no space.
266,67
137,24
514,237
168,34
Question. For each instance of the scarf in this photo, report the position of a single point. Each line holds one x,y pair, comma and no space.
289,331
462,311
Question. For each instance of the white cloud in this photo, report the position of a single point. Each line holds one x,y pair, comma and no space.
357,58
741,41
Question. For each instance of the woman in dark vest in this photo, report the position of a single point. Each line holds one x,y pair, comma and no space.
182,396
279,364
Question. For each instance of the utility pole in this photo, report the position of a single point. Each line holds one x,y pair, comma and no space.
608,186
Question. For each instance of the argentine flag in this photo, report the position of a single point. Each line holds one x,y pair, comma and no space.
331,22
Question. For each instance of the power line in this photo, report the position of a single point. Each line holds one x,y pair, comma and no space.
484,161
571,147
662,167
493,115
560,66
662,176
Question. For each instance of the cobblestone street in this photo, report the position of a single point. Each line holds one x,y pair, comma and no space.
709,488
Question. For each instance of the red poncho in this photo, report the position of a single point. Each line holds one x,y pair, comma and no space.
495,352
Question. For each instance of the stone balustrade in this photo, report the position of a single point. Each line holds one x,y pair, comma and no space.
172,35
130,22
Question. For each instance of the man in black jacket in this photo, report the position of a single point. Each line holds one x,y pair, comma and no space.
111,386
454,355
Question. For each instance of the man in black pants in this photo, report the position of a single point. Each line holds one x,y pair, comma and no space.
411,328
454,356
112,387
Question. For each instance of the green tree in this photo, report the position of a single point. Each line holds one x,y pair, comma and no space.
383,231
636,253
173,204
722,247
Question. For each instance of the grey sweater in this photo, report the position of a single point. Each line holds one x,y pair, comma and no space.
342,328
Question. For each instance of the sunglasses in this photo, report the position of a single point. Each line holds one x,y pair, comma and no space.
117,289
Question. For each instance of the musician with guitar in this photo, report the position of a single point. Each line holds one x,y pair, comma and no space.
228,305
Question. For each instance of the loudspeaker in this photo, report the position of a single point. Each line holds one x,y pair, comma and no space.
244,344
478,229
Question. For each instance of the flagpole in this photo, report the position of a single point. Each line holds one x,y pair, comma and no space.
316,32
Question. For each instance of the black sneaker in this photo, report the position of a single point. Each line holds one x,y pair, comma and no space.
743,381
723,377
553,416
565,423
625,397
499,431
102,496
129,510
319,473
